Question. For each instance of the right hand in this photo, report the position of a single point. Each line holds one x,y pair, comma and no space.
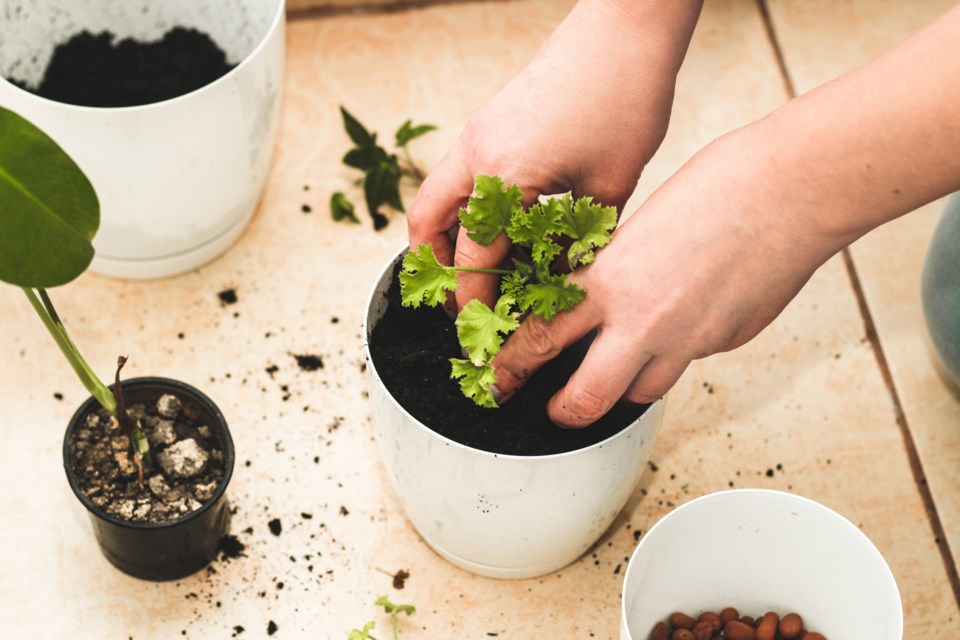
585,115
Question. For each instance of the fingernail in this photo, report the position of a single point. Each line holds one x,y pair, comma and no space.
497,394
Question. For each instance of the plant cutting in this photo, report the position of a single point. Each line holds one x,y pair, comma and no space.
49,214
535,285
382,171
391,609
502,493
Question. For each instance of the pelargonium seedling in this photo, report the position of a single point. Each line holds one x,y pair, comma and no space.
49,214
391,609
537,284
382,171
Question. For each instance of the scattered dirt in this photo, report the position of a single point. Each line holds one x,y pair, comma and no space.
188,463
276,527
411,349
228,296
400,579
99,71
309,362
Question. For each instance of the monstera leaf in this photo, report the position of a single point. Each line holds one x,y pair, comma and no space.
49,212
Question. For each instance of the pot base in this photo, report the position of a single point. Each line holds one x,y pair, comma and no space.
171,265
501,573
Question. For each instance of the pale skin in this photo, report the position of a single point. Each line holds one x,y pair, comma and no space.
717,251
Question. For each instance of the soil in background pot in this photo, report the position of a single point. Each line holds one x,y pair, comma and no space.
188,460
411,349
95,71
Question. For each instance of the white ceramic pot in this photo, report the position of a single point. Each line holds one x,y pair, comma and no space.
178,180
503,516
760,550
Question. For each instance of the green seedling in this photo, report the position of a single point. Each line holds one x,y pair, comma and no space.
382,171
393,610
49,214
555,233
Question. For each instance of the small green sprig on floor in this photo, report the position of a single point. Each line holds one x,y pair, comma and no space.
535,285
391,609
382,171
49,214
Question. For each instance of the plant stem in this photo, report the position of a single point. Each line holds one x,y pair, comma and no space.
396,630
412,169
48,314
499,272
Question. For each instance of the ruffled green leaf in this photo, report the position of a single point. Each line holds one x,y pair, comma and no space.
475,381
551,296
590,226
536,228
424,280
490,209
481,330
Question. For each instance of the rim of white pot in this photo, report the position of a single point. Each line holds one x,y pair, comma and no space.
274,24
453,443
720,495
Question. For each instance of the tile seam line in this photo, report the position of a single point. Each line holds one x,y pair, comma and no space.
870,330
304,14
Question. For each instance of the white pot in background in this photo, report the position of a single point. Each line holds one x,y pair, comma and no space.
178,180
760,550
503,516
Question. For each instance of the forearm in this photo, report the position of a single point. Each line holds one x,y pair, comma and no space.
872,145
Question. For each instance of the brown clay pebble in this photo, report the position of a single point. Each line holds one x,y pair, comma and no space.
791,625
767,629
813,635
681,620
729,614
712,618
737,630
703,630
660,631
682,634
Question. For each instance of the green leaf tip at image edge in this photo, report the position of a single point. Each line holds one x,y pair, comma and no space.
49,212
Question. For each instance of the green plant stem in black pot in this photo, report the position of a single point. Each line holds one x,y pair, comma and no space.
165,550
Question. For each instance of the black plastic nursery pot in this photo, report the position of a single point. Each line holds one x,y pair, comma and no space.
165,550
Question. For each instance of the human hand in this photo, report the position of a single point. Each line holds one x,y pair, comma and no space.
707,262
584,116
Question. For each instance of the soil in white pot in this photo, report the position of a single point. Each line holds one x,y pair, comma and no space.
97,70
411,350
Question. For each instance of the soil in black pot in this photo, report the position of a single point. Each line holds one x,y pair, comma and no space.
95,71
411,349
188,461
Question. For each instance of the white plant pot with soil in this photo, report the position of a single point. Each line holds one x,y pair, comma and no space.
759,550
178,179
173,525
496,514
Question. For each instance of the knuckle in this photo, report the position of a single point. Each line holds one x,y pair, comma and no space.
538,339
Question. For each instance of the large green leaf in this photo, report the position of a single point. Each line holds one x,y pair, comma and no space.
49,211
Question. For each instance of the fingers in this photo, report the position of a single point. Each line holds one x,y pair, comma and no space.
433,211
537,341
482,286
656,378
602,378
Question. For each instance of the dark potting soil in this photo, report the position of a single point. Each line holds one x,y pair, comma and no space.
411,349
95,71
188,463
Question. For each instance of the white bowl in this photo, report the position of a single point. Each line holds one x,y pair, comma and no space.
178,180
503,516
760,550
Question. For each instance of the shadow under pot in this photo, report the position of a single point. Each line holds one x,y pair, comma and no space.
171,527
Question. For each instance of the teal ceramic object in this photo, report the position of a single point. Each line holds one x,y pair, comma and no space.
941,288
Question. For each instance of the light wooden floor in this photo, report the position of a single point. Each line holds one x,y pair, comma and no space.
839,396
